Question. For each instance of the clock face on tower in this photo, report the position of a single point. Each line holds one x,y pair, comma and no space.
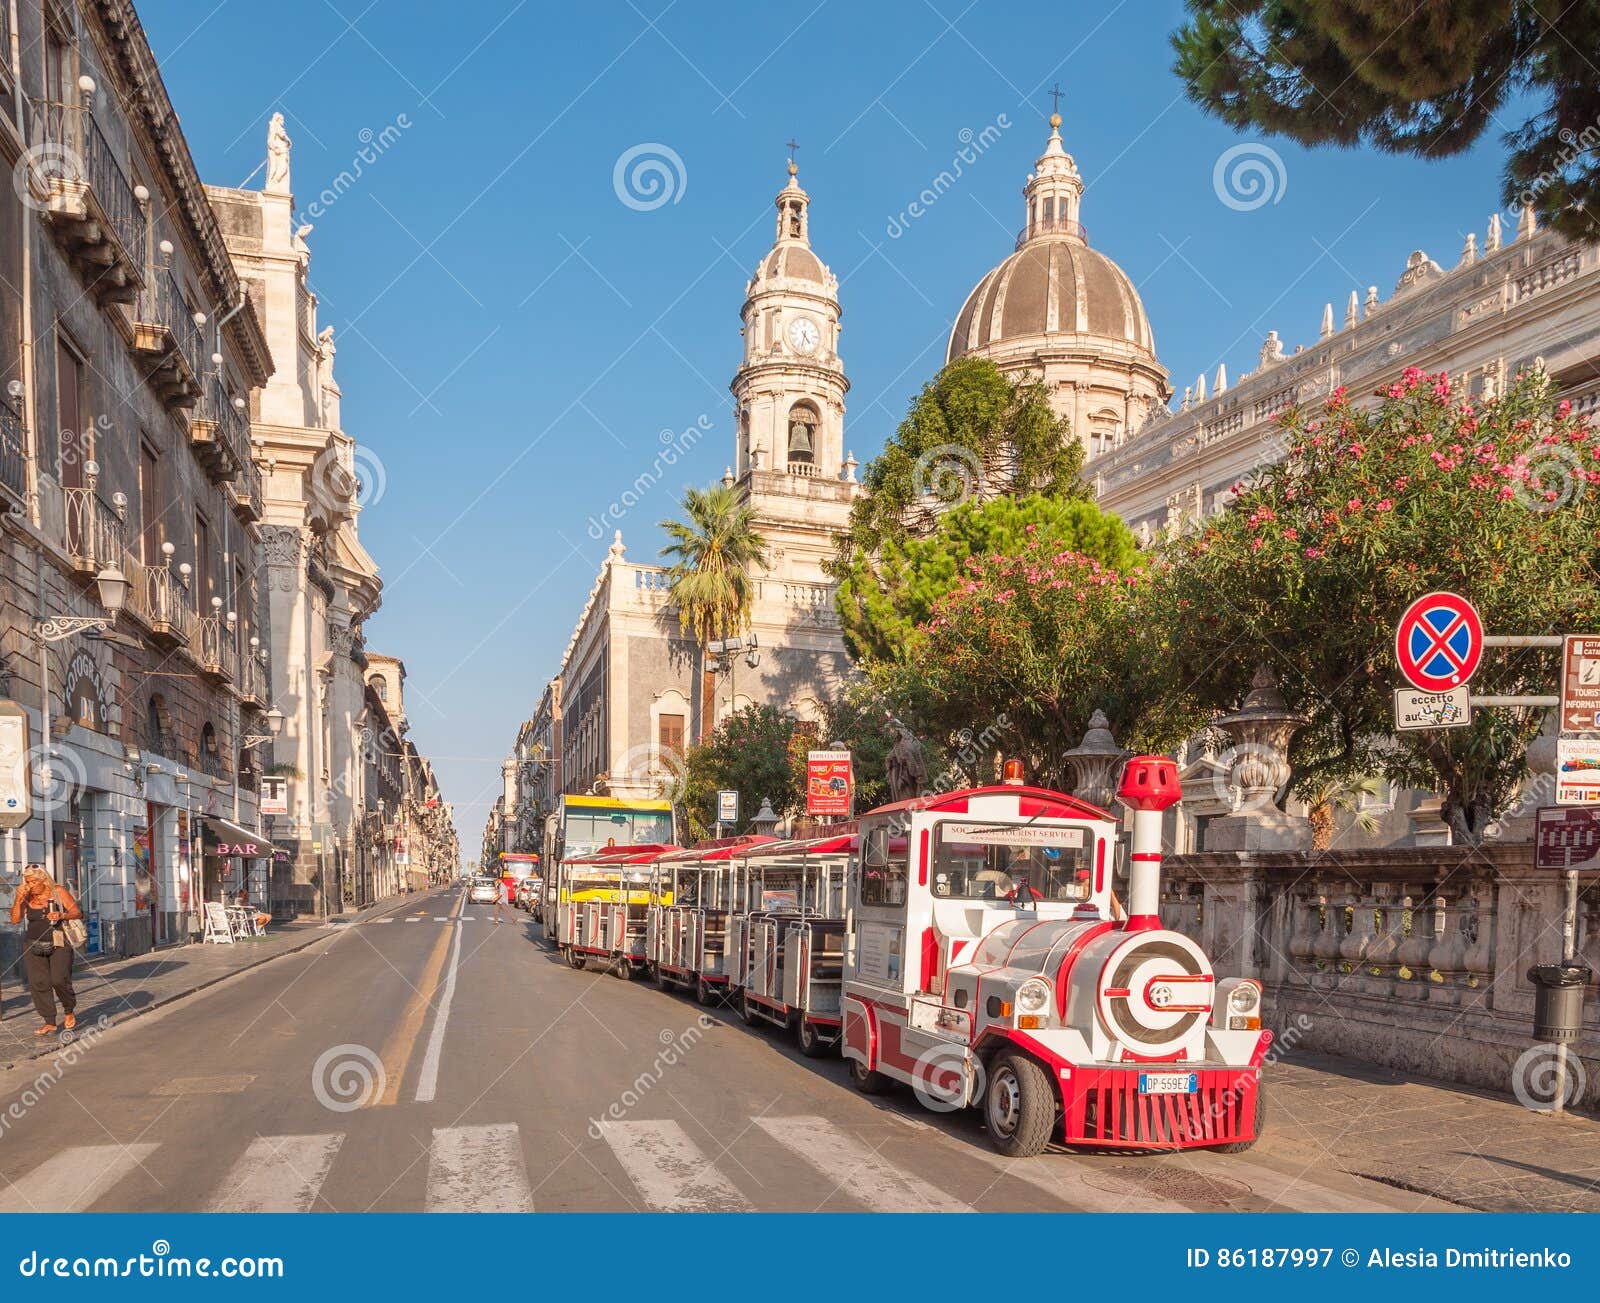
804,335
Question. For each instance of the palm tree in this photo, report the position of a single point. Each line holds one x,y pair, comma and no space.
712,553
1334,796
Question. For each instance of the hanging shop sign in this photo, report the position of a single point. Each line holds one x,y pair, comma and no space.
16,778
273,794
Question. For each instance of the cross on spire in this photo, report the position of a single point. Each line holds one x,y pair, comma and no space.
1055,98
793,146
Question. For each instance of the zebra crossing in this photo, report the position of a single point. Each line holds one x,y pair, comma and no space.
658,1165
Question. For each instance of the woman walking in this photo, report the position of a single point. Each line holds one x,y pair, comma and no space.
46,954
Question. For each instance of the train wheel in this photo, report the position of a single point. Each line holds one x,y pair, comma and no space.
1019,1106
574,958
866,1080
747,1009
625,969
704,992
810,1039
1239,1146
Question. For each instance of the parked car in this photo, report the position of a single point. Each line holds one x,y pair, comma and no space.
484,891
524,898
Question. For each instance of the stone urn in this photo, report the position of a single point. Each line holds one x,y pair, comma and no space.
1095,764
1257,767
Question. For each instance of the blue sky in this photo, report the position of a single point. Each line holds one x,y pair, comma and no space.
513,337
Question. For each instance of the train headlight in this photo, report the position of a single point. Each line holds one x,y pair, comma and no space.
1243,999
1238,1006
1033,996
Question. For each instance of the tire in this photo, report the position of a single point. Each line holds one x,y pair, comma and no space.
625,969
1019,1106
703,992
810,1039
747,1010
866,1080
574,959
1239,1146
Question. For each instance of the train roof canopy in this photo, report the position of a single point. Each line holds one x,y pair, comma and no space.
1033,802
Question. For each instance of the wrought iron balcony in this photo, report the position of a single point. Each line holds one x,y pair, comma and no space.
95,212
213,647
13,450
162,603
166,330
97,530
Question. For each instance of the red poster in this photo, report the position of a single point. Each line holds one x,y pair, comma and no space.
828,782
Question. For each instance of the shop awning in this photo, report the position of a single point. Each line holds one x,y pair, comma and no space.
227,840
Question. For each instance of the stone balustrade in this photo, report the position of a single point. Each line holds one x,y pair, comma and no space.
1415,958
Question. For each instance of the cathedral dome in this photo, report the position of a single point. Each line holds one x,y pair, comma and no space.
1053,284
796,262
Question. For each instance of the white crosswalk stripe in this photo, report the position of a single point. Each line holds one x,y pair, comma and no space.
1287,1191
478,1169
72,1180
278,1174
859,1170
669,1170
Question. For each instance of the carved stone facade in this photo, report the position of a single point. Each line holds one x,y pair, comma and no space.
1496,312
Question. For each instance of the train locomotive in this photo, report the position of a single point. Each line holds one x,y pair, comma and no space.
969,945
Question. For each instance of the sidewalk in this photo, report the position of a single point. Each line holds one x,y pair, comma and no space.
125,988
1470,1147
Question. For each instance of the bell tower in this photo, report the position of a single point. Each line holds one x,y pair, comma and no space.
789,390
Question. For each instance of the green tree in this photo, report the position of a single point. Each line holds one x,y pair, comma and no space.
713,551
752,753
1426,79
1028,647
971,431
1312,564
884,596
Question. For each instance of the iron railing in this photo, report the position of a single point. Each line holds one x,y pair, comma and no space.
79,152
13,449
96,531
162,302
164,602
214,647
1051,226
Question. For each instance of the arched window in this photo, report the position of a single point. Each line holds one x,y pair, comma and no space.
208,741
803,425
380,685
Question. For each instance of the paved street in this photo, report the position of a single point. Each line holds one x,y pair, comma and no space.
434,1058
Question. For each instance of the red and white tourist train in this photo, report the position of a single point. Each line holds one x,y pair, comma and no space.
969,945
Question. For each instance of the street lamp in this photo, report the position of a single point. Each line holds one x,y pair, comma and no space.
274,722
113,586
726,651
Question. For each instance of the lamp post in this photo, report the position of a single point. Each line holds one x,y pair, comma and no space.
113,586
727,651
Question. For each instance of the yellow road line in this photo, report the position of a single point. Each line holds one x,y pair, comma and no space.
402,1042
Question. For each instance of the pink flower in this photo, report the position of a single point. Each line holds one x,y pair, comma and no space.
1312,553
1386,505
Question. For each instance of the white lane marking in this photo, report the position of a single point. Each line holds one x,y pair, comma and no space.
469,918
278,1174
411,920
1296,1194
669,1169
383,920
428,1083
74,1178
861,1172
441,918
1067,1179
478,1169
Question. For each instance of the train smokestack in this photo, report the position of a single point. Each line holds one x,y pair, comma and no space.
1149,786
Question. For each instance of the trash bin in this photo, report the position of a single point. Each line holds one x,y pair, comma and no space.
1558,999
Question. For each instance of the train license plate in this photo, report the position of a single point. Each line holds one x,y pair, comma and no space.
1168,1083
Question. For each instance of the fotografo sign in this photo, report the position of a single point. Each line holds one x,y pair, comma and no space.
16,780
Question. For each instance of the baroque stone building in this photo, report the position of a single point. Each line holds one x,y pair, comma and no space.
128,346
321,582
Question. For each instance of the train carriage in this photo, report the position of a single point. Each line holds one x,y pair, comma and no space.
985,968
786,936
686,936
602,906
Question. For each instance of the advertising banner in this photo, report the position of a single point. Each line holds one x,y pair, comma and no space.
828,782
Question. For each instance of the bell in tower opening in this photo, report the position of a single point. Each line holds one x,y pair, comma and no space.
803,421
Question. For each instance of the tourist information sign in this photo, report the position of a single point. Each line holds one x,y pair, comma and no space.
1580,683
1577,772
1567,838
1439,642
